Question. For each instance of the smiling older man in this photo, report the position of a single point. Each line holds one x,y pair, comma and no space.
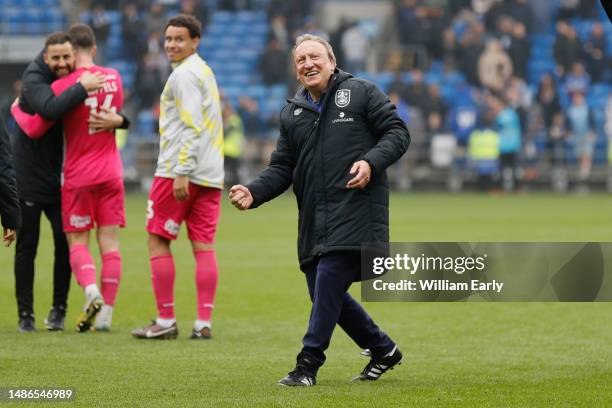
338,135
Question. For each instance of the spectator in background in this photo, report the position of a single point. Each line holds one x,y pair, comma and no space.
434,103
548,100
503,31
273,64
197,9
416,91
494,66
355,47
569,9
519,50
463,120
594,53
557,135
483,151
132,30
336,39
155,18
156,51
414,28
520,10
580,124
508,126
403,110
577,80
254,125
100,24
399,86
469,50
567,47
233,133
608,125
148,83
278,30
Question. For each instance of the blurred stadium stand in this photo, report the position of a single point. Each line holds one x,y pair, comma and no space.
235,37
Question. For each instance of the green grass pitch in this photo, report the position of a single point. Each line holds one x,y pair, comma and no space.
456,354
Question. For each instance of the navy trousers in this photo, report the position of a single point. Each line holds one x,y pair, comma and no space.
328,281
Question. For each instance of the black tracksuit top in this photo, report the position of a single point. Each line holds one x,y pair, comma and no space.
38,163
315,153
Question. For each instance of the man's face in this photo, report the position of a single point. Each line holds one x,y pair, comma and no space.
178,44
60,59
313,66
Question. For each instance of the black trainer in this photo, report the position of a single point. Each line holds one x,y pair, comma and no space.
55,320
298,378
26,323
378,366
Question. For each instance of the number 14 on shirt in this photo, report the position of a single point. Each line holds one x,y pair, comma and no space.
92,102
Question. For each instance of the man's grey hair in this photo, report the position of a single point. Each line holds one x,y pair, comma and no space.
311,37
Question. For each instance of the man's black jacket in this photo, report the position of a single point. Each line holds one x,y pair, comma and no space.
39,162
10,212
315,153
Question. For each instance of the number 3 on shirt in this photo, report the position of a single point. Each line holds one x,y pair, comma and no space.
92,102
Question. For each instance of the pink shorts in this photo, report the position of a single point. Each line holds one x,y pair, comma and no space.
200,211
100,205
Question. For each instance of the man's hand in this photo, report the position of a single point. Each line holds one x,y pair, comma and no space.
8,236
181,188
241,197
362,172
92,81
104,119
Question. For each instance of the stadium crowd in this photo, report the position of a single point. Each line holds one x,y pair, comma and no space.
537,73
541,71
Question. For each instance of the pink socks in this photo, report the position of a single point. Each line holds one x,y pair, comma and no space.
111,275
82,265
162,275
206,278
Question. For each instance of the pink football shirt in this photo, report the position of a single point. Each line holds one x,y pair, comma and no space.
90,157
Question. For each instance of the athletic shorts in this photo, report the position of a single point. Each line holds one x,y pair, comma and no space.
200,211
98,205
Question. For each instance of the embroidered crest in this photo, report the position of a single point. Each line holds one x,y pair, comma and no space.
343,97
297,111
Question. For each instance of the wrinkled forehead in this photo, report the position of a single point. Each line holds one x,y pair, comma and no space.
310,48
59,49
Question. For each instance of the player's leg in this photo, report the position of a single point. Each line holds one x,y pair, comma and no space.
164,216
110,216
25,253
202,222
61,269
110,275
77,218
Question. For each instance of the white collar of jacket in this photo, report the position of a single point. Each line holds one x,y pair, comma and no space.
192,57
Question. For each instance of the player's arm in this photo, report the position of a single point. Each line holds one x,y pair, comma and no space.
10,213
34,126
39,95
107,119
189,100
